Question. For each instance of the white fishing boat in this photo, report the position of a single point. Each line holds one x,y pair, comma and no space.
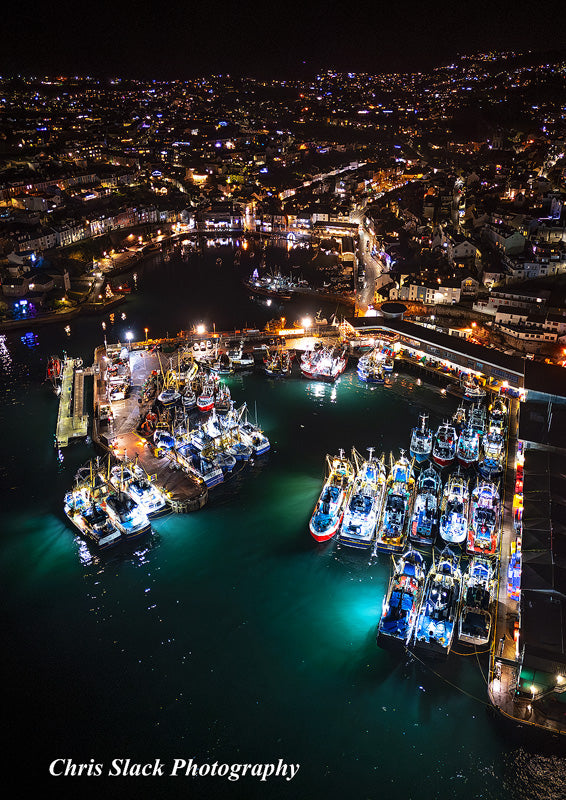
364,505
454,510
90,519
421,440
325,364
127,515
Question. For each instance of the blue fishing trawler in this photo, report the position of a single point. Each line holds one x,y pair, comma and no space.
402,600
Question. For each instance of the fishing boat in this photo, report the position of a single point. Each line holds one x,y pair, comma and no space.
493,456
205,399
329,510
240,450
134,481
364,506
169,397
497,417
444,447
392,529
402,601
454,510
251,434
477,419
459,418
424,521
472,389
388,360
222,399
485,520
206,469
326,364
437,616
222,365
421,440
279,363
54,372
224,460
240,360
90,519
370,367
189,398
468,448
127,515
479,588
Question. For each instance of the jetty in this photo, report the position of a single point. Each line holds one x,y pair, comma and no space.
72,422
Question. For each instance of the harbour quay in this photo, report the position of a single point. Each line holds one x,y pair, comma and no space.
115,431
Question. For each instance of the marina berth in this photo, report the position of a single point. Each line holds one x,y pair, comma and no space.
445,443
402,601
485,519
479,592
392,529
436,621
454,510
421,440
424,521
329,510
364,506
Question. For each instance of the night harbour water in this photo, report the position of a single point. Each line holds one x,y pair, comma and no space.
229,636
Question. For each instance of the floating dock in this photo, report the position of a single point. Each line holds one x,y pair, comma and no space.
72,422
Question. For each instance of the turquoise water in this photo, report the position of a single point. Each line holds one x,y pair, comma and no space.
230,635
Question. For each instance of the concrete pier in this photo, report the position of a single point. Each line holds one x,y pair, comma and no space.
72,422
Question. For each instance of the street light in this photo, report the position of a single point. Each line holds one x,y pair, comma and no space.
129,337
146,332
201,329
306,322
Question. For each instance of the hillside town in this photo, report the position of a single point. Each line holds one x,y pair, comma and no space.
443,190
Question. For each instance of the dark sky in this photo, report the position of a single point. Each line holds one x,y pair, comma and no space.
171,38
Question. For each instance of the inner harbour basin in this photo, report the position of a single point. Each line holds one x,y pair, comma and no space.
228,634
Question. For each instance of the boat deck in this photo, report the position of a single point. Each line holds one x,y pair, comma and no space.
72,422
